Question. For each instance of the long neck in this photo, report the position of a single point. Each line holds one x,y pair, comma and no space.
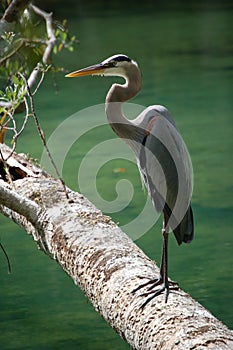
115,98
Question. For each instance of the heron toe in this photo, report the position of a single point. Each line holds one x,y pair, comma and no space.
153,290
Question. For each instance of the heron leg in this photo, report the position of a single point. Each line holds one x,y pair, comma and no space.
162,280
164,263
157,281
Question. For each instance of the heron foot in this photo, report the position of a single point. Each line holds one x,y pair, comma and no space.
153,291
154,282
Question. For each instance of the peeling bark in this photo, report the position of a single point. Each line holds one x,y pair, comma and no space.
105,264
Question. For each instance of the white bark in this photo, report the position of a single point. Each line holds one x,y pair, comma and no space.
106,264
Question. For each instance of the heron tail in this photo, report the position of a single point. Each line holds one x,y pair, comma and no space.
184,231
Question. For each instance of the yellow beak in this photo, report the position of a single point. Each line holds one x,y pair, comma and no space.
97,69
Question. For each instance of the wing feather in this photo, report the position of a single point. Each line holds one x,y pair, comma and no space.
166,170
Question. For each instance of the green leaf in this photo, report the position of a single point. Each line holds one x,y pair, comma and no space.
15,79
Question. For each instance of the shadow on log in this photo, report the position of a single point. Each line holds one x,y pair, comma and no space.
104,262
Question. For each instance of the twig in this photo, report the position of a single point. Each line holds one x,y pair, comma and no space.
50,32
25,120
50,43
40,81
14,128
41,133
7,258
4,59
21,44
5,104
14,10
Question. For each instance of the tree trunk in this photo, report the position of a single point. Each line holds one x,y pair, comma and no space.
104,262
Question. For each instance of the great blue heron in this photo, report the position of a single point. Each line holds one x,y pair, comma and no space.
161,156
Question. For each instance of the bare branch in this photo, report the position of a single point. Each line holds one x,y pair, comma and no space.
14,10
7,258
50,31
4,59
49,43
19,204
5,104
21,44
18,133
41,133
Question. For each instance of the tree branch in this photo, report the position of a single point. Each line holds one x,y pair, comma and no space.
11,16
14,10
106,264
19,204
51,41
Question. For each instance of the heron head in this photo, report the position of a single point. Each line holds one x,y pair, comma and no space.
116,65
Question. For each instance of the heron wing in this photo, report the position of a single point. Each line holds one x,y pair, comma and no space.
166,170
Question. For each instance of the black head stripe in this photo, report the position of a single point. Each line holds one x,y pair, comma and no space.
122,58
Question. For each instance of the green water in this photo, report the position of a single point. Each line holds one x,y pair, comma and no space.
186,60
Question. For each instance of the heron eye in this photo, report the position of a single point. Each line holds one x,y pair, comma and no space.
110,64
